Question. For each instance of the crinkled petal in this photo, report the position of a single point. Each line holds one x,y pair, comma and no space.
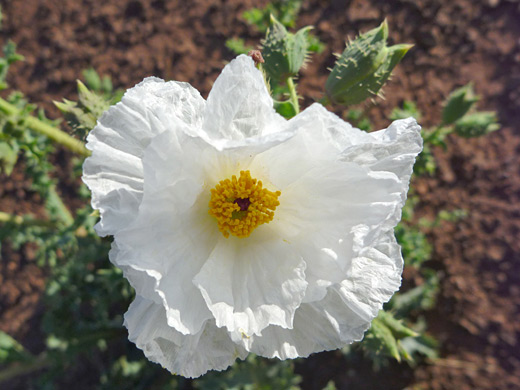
347,178
190,356
321,326
375,274
346,311
318,213
391,150
250,285
173,234
239,105
114,172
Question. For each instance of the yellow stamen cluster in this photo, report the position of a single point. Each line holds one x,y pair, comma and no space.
240,205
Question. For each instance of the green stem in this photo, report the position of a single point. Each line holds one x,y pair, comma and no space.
56,206
293,96
52,132
17,369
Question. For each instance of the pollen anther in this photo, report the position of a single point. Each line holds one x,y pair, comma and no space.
240,205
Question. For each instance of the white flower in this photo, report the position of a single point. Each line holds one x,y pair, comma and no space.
241,231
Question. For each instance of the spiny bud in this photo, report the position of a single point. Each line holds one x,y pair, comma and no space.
284,53
364,67
458,104
477,124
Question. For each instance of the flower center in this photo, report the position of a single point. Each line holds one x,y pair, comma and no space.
240,205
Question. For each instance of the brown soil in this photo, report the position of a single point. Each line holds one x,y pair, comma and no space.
477,314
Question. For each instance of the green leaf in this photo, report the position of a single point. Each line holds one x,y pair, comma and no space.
384,339
82,115
330,386
11,350
358,119
477,124
8,157
285,109
419,298
92,79
398,329
424,345
286,11
238,46
458,104
409,110
10,56
314,44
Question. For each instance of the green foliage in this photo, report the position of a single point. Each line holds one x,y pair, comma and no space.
457,118
408,110
363,67
330,386
458,104
285,108
286,11
238,46
358,119
11,350
477,124
96,83
254,373
284,53
419,298
10,57
423,345
83,114
8,148
383,339
414,244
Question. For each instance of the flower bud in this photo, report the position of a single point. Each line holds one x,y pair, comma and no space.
284,53
477,124
458,103
364,67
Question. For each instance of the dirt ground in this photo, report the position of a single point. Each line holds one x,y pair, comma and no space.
456,41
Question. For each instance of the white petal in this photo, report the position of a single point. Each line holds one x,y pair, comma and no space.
319,136
190,356
375,274
251,283
114,172
321,326
318,213
346,311
173,234
239,105
392,150
346,178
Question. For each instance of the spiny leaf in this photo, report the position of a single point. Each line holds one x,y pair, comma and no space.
458,103
383,336
398,329
477,124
